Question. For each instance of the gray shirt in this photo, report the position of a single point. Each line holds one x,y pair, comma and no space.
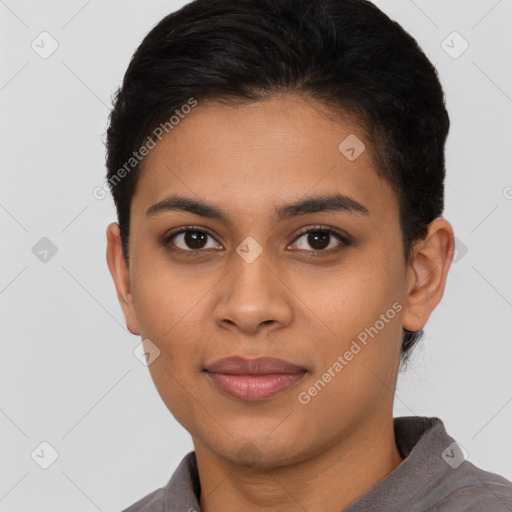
432,477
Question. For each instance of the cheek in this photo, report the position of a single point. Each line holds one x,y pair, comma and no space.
163,298
168,314
179,393
358,365
353,296
363,310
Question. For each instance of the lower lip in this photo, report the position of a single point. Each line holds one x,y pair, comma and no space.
253,388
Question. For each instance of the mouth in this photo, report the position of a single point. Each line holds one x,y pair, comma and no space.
253,379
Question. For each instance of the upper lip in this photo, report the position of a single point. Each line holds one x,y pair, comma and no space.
237,365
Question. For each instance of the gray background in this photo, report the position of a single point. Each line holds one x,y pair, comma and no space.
68,373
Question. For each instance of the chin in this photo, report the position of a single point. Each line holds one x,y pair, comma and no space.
261,453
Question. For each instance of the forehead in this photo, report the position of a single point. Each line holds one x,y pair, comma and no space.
258,155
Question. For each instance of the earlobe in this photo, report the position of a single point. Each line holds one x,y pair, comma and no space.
120,274
428,271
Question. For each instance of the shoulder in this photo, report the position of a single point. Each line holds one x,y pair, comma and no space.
436,475
474,490
181,492
153,502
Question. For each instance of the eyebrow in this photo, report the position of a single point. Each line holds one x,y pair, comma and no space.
325,203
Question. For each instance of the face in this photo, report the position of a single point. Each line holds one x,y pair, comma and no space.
289,247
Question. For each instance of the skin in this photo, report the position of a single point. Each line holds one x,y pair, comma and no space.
248,160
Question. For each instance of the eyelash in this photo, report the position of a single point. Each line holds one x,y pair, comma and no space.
345,241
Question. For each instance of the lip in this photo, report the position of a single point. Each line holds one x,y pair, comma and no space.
253,379
237,365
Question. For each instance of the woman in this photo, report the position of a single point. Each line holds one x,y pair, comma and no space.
278,173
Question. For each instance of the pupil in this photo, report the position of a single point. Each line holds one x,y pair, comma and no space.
195,239
318,239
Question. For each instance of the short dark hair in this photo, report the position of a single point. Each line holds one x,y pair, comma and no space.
347,54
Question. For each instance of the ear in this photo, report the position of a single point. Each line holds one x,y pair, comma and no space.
427,273
120,274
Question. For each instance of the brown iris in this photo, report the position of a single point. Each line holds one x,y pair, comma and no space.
318,239
195,239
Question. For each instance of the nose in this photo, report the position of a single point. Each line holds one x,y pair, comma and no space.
253,297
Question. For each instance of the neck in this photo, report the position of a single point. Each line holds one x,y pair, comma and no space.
329,481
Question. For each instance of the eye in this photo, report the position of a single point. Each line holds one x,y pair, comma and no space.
320,239
190,240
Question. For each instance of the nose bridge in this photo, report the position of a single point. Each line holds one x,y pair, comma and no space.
252,293
252,276
252,279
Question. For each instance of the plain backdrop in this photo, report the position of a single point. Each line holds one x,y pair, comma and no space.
68,374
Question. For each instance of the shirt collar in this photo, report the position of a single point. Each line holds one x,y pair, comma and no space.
420,440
